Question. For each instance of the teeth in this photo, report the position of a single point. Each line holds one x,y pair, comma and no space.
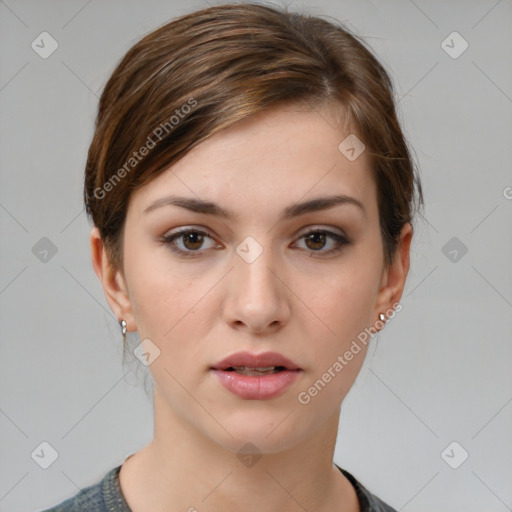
257,369
254,372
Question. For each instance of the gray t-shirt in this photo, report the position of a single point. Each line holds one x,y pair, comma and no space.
106,496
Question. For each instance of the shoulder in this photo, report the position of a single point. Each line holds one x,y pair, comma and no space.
367,501
101,497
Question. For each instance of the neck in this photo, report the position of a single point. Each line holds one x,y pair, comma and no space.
181,469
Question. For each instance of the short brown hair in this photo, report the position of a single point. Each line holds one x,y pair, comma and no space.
204,71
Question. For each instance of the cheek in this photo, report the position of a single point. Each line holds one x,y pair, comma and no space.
160,294
336,357
343,308
164,308
171,309
344,304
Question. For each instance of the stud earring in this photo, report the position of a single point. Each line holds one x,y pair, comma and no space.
382,317
122,323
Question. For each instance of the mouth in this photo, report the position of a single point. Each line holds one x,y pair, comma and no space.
256,376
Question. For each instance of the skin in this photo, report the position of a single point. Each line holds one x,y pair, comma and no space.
306,305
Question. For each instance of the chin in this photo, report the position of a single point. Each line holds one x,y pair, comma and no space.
250,442
268,432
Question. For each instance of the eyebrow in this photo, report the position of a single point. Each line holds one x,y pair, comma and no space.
294,210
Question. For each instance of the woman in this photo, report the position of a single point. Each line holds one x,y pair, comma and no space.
252,196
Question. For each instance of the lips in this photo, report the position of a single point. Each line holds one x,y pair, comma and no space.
256,376
267,361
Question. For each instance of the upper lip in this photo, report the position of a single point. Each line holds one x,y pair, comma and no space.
263,360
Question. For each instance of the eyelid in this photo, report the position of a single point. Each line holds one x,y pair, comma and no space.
321,227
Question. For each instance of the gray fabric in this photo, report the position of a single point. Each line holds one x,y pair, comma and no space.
368,502
105,496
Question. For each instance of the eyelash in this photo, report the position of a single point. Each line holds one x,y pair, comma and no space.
169,241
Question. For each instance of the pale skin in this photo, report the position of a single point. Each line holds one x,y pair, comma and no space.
294,299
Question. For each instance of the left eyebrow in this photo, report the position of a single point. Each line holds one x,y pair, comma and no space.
294,210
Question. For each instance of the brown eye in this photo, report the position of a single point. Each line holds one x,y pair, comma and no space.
316,240
192,241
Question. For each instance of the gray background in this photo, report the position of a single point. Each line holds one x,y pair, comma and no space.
438,373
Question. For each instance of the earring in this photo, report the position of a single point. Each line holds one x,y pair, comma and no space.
122,323
382,317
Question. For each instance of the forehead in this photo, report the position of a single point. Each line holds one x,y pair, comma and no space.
265,162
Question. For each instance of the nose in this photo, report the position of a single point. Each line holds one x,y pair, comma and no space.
258,298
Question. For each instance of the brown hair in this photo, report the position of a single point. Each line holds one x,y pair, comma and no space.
206,70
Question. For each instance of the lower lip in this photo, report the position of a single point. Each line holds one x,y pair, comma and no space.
259,387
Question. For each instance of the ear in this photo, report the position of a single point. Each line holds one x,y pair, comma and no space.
112,280
394,276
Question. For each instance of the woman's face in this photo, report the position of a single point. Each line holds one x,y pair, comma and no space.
259,281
